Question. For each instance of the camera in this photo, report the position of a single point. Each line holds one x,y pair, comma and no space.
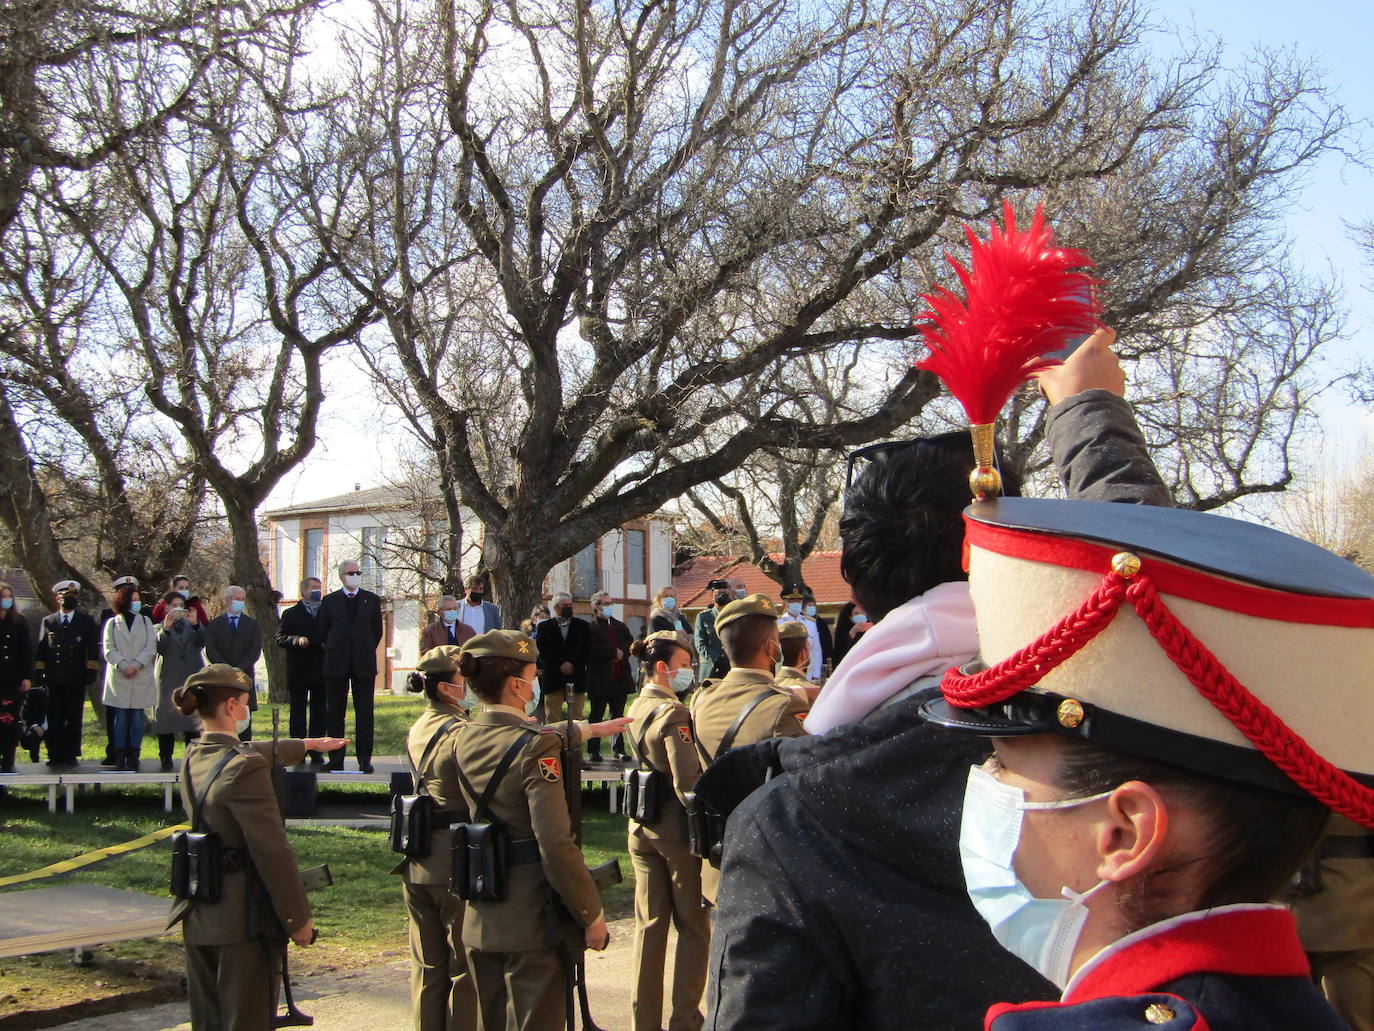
718,585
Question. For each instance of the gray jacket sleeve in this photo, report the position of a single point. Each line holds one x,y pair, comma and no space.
1100,452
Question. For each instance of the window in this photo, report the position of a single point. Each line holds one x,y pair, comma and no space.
584,579
634,558
314,555
374,541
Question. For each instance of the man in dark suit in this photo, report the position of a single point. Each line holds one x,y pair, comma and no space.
299,636
351,628
565,647
448,628
66,662
609,681
235,639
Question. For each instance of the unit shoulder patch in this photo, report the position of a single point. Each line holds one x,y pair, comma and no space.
550,768
685,732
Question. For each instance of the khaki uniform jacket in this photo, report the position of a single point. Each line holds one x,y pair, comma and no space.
790,676
530,803
1340,916
670,749
718,702
440,779
242,809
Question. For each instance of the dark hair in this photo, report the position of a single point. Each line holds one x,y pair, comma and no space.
743,638
172,596
426,682
487,674
123,596
651,652
1258,837
204,700
792,649
902,527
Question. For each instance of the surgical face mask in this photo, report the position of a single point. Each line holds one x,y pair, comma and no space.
810,610
468,702
352,579
242,725
860,618
532,705
185,592
608,611
316,595
740,592
565,612
670,603
237,606
1043,932
6,603
135,606
475,597
794,608
682,680
449,615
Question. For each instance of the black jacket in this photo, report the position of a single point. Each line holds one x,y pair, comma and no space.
16,651
554,651
605,675
67,656
350,633
304,663
842,900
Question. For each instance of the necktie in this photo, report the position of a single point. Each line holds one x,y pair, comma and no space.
452,634
234,623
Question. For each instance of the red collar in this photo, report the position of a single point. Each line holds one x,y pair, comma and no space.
1241,941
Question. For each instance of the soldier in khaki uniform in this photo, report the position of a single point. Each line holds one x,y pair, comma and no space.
513,953
441,992
1336,924
667,875
232,958
796,656
748,629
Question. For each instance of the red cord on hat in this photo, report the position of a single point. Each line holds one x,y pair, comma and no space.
1273,738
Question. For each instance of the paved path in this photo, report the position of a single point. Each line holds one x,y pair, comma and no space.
377,998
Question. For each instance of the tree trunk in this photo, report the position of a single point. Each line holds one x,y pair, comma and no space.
517,573
250,574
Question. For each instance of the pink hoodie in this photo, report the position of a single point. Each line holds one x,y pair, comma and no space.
923,636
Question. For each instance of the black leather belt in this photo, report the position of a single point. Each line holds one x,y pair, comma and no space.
1347,846
526,850
442,819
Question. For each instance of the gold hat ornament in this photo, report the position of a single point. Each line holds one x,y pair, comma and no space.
753,605
502,644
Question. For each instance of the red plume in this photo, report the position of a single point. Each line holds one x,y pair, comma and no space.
1021,301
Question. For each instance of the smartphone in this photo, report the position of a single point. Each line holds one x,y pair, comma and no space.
1073,345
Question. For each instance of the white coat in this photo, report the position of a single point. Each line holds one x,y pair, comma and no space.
125,646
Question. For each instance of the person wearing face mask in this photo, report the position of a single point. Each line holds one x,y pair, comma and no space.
711,661
609,681
16,674
233,946
298,634
796,655
179,644
66,662
1176,701
565,648
441,991
476,612
130,648
746,705
513,946
350,630
794,598
667,875
234,638
181,585
448,629
823,632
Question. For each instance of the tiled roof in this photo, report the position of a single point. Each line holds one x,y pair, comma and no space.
820,570
372,499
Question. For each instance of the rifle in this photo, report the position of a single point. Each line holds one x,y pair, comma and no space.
311,880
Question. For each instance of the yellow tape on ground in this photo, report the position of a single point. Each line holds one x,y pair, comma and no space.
95,856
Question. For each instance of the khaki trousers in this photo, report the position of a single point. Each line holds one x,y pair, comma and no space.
668,887
553,706
231,987
441,994
519,991
1347,978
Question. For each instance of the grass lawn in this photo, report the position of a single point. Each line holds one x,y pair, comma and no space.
360,918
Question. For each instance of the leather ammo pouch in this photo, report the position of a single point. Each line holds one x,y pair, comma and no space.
706,827
198,860
644,786
481,848
412,816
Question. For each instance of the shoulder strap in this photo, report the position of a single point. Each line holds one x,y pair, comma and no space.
638,746
479,811
416,771
197,801
728,741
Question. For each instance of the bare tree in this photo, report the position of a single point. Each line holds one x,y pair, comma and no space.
645,210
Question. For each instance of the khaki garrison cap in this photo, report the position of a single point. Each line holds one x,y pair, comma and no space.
676,637
754,605
443,659
219,674
502,644
792,628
